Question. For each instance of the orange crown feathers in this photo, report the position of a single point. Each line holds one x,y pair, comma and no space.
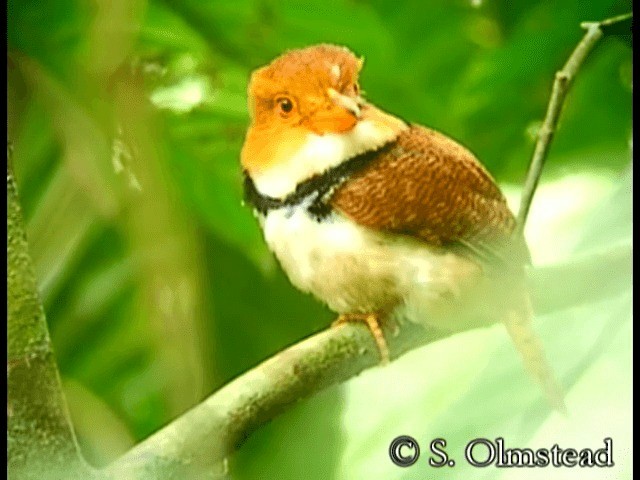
305,73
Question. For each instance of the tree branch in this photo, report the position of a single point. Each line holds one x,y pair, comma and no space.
562,83
40,440
206,434
220,424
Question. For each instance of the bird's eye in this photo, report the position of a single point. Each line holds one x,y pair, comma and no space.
285,105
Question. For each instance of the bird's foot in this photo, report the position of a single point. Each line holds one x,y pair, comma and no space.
372,320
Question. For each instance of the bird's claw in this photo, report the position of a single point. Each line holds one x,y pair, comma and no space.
373,323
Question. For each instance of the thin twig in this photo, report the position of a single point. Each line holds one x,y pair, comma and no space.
561,85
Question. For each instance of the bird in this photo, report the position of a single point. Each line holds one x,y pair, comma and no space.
381,219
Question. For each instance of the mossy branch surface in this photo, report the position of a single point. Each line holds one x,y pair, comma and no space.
41,442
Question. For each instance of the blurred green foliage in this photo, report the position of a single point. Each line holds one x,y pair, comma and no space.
127,118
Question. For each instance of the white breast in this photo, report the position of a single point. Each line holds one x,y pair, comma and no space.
351,268
319,153
354,269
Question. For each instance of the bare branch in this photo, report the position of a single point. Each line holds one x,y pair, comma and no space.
562,83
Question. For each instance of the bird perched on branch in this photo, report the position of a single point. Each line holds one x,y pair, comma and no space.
381,219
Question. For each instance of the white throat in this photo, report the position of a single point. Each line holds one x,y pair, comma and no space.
318,154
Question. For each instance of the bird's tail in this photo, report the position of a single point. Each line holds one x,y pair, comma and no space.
520,328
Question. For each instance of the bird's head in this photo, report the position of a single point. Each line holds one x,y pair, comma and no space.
307,115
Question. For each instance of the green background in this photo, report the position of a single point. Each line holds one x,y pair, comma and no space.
126,120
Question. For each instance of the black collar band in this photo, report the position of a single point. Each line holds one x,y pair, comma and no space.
316,190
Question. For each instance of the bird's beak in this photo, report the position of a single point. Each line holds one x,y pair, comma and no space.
348,103
341,115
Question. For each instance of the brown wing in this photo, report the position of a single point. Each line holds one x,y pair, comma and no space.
427,186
